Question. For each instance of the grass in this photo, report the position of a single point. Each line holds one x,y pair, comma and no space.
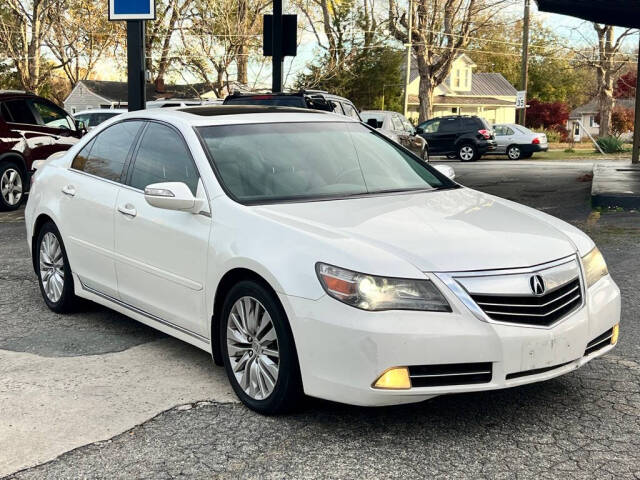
569,154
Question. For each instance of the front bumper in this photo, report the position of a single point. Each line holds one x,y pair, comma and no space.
343,350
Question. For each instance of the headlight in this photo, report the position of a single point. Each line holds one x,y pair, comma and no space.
594,266
370,292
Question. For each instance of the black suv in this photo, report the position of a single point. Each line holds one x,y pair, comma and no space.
465,137
314,99
31,128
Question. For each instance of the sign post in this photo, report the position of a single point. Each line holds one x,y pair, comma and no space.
134,12
279,39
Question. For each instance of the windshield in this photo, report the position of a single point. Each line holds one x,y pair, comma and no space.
267,163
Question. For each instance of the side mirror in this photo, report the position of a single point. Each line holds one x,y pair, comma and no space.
172,196
446,170
80,126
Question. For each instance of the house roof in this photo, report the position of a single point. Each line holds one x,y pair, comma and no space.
455,101
492,84
118,91
592,106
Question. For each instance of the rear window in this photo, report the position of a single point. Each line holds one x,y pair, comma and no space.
473,124
270,100
369,118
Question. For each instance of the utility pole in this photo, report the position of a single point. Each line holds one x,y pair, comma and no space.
635,155
408,73
525,59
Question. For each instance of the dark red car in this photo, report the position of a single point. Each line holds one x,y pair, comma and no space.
31,128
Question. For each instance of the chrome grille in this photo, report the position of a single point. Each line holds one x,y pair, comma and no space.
531,310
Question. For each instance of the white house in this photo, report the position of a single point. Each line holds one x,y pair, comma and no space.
465,92
586,114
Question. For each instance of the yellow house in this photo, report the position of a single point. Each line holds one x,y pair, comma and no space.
464,92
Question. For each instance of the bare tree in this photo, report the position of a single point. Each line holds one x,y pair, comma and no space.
22,32
441,29
79,36
608,63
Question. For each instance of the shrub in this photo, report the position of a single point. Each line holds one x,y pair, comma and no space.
547,114
557,134
610,144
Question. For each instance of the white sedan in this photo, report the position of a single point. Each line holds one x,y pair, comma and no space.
311,255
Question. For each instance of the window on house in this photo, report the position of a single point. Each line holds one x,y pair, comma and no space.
467,80
458,77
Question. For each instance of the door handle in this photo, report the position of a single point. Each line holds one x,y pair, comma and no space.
69,190
128,210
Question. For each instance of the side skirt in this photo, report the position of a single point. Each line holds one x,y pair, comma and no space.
141,316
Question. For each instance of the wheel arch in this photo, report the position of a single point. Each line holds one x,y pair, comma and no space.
226,283
16,157
37,226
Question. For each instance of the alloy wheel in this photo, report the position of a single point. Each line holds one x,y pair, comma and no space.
51,267
11,186
466,153
514,153
252,347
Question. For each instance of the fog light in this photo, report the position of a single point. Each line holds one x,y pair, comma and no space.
615,333
394,379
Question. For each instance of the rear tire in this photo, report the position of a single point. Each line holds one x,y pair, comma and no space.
53,270
468,152
13,184
258,350
514,152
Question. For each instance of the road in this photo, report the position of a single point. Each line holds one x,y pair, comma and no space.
126,402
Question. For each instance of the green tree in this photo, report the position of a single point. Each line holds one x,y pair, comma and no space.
555,73
364,78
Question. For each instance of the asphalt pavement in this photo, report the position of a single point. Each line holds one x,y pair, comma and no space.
157,408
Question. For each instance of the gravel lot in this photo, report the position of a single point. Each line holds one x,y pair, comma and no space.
583,425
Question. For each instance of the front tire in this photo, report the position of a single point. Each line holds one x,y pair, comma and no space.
12,186
53,270
468,153
258,350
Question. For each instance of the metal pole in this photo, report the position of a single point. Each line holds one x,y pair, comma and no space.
408,73
635,155
525,58
135,65
277,59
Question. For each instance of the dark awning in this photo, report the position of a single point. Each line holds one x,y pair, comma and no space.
624,13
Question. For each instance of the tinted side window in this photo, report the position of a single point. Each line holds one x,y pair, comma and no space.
4,113
51,115
448,125
109,151
471,124
163,157
431,126
81,158
20,111
397,123
350,111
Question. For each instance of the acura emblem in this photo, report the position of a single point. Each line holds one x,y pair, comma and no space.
537,285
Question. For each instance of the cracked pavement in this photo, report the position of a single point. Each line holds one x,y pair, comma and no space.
179,419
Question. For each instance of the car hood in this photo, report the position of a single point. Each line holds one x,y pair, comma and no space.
446,230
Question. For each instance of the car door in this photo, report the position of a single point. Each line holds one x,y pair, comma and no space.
429,131
21,119
87,205
161,258
504,137
55,122
414,142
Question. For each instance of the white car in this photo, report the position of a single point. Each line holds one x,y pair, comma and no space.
310,254
94,117
518,142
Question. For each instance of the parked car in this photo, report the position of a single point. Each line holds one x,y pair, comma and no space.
395,126
31,128
313,99
173,102
518,141
466,137
311,255
93,118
